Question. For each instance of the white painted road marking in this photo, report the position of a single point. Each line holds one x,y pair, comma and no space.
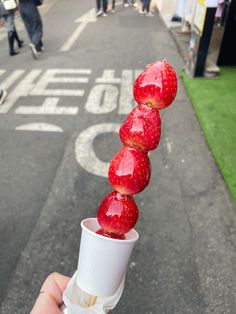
12,78
40,127
49,107
22,89
108,77
84,150
50,77
102,99
126,103
109,92
88,17
2,72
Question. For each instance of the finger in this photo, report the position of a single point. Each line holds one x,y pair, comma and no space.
50,296
54,285
45,304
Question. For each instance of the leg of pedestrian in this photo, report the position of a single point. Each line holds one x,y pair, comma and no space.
3,95
9,18
144,7
149,13
113,6
104,8
99,11
20,42
34,26
126,4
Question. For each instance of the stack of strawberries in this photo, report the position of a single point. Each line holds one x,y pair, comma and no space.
130,170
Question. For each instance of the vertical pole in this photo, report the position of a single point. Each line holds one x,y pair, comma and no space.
205,41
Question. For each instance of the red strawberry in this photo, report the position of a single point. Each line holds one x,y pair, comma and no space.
117,215
156,86
142,128
129,171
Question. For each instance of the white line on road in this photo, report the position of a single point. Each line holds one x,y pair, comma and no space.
12,78
40,127
88,17
84,149
22,89
2,72
49,107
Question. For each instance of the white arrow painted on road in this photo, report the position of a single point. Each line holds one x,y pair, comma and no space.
88,17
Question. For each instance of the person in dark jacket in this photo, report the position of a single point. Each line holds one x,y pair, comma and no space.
33,24
9,16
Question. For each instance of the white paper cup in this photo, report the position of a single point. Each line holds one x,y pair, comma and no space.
102,261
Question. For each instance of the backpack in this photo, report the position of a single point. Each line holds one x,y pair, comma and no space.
9,4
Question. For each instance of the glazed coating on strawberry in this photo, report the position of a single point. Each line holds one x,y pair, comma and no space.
117,215
129,171
142,128
156,86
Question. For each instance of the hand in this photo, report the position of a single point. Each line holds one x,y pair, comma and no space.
50,296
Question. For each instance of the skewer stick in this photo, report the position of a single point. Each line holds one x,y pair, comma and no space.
92,300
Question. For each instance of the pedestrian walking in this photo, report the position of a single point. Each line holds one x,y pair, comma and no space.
113,6
146,8
126,3
133,3
9,16
33,24
101,7
3,95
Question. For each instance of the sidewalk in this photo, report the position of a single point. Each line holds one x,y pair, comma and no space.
182,41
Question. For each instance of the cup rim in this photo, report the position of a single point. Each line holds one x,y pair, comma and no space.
132,232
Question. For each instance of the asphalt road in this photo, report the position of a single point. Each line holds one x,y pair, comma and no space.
58,134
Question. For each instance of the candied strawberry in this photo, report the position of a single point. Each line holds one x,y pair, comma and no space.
156,86
117,215
129,171
110,234
142,128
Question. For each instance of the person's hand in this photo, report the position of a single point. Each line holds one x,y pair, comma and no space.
50,296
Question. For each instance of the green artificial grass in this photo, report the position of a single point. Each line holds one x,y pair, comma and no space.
214,101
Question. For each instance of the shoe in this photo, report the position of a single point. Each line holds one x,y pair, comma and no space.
104,14
113,11
11,38
135,5
126,5
142,12
13,53
21,43
40,46
3,96
149,14
41,49
99,13
35,53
